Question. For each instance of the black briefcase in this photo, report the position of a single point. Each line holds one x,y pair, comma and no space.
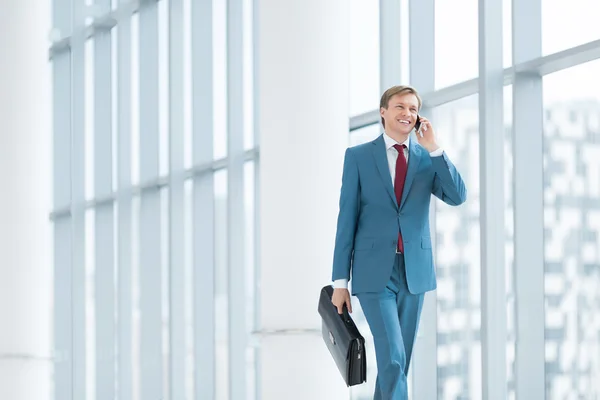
344,341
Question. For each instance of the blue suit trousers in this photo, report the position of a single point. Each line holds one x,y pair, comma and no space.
393,317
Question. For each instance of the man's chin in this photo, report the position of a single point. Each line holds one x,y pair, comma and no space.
403,130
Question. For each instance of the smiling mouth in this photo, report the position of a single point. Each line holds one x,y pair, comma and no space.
403,121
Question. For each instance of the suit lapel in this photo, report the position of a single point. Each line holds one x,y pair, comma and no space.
414,158
380,156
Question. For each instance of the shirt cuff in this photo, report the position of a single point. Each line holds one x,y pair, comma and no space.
340,284
436,153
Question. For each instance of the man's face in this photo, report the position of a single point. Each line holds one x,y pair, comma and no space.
401,114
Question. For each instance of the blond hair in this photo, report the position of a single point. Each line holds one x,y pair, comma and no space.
394,90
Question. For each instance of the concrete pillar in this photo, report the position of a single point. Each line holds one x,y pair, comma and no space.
25,179
302,100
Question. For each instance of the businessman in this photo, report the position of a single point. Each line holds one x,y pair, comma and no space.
383,241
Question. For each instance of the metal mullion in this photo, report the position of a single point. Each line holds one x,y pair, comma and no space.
555,62
203,199
152,184
528,200
176,202
78,197
124,201
63,301
104,235
235,202
256,325
422,77
389,37
491,164
151,347
451,93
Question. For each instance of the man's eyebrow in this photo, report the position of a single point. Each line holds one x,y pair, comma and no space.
404,104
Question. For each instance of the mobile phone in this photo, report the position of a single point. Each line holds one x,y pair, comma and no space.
418,124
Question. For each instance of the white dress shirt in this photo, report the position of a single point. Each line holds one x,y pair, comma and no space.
392,156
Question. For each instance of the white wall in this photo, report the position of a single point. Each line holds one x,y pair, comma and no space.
25,179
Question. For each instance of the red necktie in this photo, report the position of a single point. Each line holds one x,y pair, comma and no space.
399,183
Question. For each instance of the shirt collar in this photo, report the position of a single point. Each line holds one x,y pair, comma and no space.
389,142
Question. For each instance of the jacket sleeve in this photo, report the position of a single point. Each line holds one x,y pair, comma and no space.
448,185
347,218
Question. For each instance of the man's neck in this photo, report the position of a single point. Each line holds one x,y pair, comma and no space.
398,137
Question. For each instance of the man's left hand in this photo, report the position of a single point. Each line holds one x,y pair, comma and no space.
428,138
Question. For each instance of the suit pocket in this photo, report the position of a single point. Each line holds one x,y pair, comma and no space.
425,242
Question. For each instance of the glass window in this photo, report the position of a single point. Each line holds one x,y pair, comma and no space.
89,118
572,229
187,84
507,32
404,42
456,44
135,99
135,294
188,219
566,25
114,80
220,79
221,284
90,303
248,66
365,134
509,243
163,86
249,251
364,56
165,260
458,257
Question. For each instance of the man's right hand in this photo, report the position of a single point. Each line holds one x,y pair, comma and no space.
341,297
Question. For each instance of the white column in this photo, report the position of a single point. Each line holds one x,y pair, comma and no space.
25,176
302,111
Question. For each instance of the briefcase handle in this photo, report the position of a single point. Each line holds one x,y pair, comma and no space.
345,316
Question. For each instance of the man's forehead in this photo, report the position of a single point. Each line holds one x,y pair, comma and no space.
404,98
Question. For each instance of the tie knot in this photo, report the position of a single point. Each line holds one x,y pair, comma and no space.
400,147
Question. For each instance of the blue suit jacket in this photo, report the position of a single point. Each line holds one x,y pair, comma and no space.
369,217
